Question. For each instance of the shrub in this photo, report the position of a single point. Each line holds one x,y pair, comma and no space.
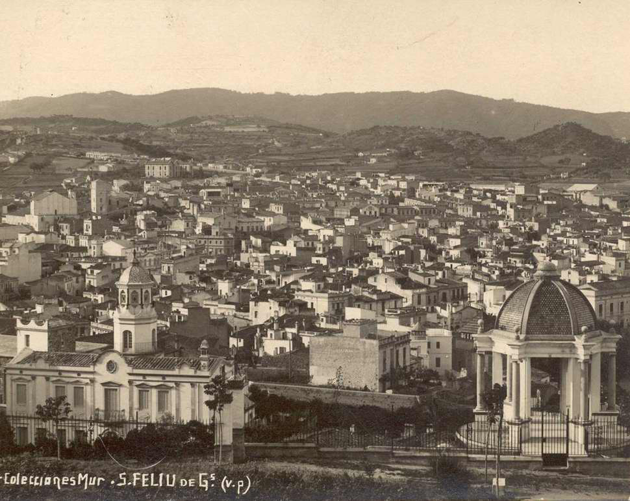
7,438
46,445
154,442
81,450
108,442
452,476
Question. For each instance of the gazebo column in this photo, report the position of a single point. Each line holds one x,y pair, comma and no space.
481,362
580,424
526,385
516,388
573,388
612,382
497,368
584,390
563,385
596,383
510,362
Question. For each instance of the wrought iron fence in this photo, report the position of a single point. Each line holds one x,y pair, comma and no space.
29,430
605,436
548,435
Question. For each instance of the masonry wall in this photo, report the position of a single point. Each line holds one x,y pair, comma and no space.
355,359
345,397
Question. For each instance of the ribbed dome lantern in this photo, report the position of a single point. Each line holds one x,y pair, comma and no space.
546,307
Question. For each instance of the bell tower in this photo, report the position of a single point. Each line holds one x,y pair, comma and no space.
135,319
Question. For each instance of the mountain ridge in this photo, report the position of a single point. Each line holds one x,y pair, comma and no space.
338,112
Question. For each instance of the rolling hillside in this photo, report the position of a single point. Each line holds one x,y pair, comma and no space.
341,112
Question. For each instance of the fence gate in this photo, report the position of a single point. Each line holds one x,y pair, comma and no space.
554,433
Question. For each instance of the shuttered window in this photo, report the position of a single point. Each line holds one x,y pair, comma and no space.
111,402
163,401
143,400
20,394
79,396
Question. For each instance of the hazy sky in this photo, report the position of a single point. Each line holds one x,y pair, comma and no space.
558,52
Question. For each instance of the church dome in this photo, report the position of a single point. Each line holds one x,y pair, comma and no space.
546,307
135,275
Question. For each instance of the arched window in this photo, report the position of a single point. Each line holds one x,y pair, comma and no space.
127,340
123,297
135,297
147,297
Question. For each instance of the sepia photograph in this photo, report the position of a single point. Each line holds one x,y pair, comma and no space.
314,250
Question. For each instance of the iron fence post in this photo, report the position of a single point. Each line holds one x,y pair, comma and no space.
393,428
567,433
467,438
542,433
586,438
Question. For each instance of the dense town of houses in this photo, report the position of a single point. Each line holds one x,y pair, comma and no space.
126,300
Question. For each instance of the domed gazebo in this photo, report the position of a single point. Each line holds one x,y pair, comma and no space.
548,318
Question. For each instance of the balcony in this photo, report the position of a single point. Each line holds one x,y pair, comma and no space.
109,415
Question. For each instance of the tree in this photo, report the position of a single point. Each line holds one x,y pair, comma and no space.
7,438
56,409
219,395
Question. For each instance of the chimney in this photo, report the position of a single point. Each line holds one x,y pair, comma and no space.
203,355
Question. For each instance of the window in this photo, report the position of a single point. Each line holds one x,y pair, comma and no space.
612,307
397,358
60,391
404,357
127,340
20,391
384,361
27,340
123,297
429,345
437,345
601,310
21,435
135,297
111,403
143,400
437,362
154,338
147,297
621,306
79,396
163,403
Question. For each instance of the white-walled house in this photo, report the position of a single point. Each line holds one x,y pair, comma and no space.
132,380
51,203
